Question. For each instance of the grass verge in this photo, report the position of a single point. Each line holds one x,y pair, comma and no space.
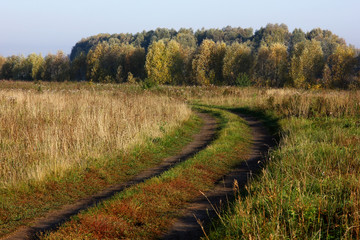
20,204
309,190
146,210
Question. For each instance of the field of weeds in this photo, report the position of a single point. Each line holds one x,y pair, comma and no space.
309,189
60,142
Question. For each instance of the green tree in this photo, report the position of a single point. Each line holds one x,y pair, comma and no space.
329,41
8,70
186,40
36,62
307,64
271,65
2,61
22,69
272,33
79,67
238,61
56,67
278,60
207,65
342,66
104,63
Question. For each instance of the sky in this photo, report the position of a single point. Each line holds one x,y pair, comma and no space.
46,26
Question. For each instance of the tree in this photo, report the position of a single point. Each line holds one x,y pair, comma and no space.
22,69
8,70
297,36
157,63
238,61
104,63
272,33
307,64
342,66
2,61
79,67
278,63
56,67
328,40
186,40
36,62
207,65
271,65
165,62
201,65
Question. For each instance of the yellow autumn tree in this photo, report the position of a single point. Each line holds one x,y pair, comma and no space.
207,65
165,62
307,64
238,62
341,63
157,63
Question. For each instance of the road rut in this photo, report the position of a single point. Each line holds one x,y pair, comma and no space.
55,218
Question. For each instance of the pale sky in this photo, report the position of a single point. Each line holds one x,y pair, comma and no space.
44,26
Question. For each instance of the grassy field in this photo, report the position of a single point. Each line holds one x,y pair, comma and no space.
66,141
146,211
49,132
309,190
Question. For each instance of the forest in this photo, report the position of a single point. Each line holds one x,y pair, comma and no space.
271,56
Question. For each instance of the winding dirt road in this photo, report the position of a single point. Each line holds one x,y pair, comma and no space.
55,218
202,209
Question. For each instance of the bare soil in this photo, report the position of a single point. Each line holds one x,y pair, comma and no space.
204,208
55,218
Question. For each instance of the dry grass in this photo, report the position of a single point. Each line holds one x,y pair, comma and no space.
47,132
284,102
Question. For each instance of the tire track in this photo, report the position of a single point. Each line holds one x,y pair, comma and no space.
55,218
202,210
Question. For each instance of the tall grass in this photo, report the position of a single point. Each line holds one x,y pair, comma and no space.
47,131
310,189
283,102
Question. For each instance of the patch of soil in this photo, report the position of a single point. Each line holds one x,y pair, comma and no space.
202,210
54,218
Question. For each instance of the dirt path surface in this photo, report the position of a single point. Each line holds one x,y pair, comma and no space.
55,218
202,209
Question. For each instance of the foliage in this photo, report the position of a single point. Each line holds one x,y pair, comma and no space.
145,211
56,67
309,189
207,63
341,63
238,61
272,56
307,63
272,65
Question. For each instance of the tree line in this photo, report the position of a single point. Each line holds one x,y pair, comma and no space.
272,56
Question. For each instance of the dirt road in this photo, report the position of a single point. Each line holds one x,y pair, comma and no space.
55,218
202,209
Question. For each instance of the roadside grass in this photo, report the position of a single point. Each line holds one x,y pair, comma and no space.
282,102
52,131
18,206
147,210
311,187
23,201
309,190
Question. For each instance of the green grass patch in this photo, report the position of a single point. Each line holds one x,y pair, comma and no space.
309,190
146,210
19,205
